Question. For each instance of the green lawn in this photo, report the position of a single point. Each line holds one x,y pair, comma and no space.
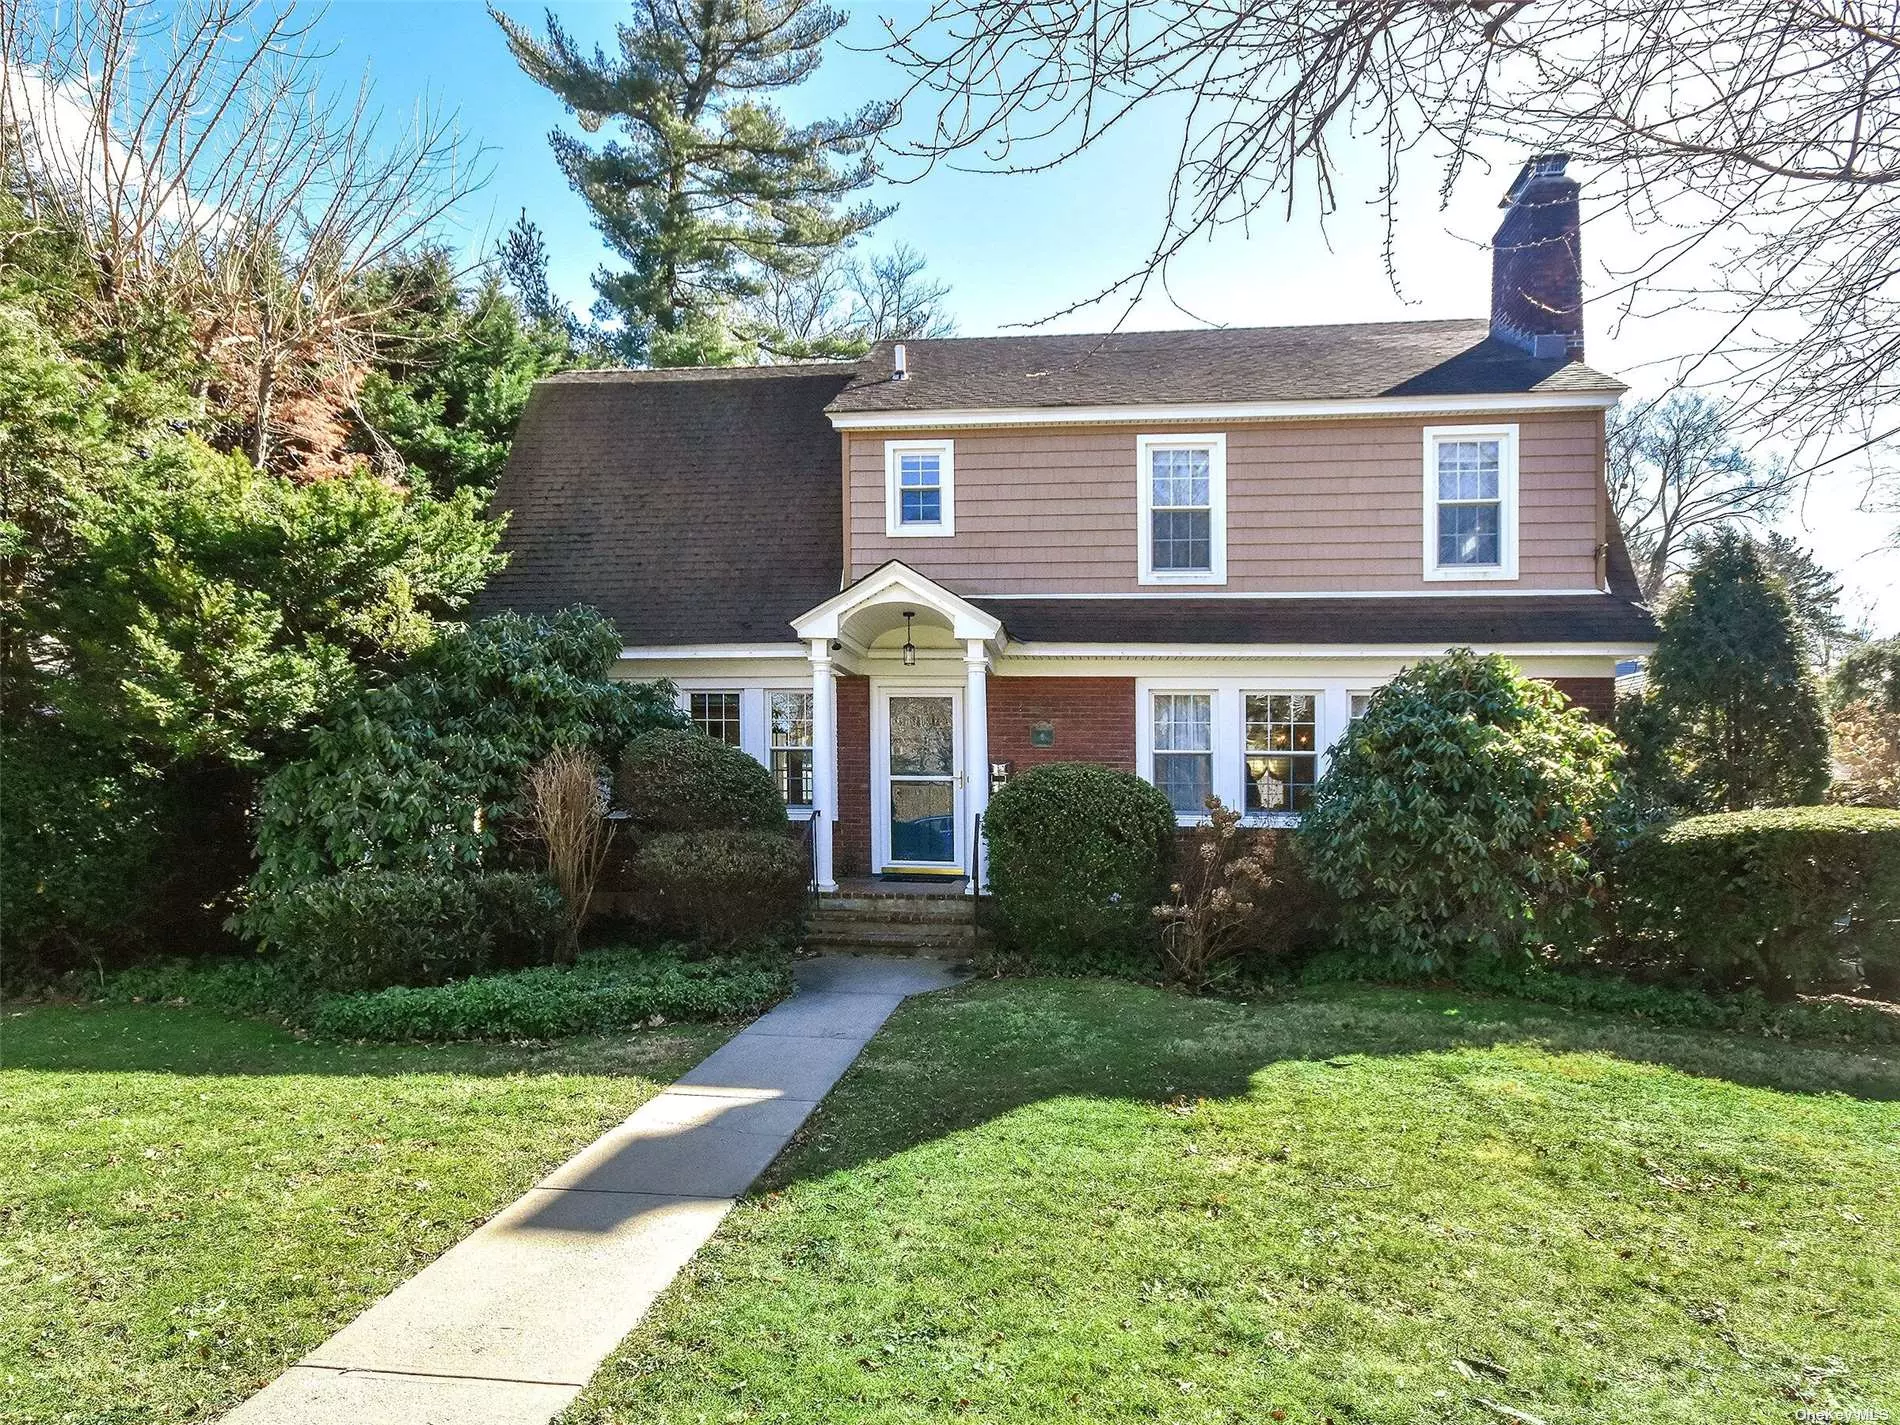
189,1202
1039,1201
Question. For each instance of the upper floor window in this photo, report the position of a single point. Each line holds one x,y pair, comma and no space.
1183,509
919,488
1471,502
716,715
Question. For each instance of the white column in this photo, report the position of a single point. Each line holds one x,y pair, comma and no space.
976,741
824,754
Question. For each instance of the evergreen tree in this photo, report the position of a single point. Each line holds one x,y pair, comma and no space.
1812,589
1731,679
709,190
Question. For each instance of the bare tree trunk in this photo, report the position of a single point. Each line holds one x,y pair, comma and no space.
266,389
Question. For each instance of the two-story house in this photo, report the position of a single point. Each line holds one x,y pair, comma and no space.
1189,554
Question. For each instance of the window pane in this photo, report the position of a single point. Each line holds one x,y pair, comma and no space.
923,825
1183,722
923,738
1468,469
1360,702
1183,540
791,719
791,768
1180,478
1186,779
921,506
916,471
1468,534
1281,782
716,715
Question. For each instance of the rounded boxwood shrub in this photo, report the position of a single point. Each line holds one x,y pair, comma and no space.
672,780
1458,816
1078,857
367,929
1780,900
721,888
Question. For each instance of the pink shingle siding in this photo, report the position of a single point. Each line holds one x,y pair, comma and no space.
1311,507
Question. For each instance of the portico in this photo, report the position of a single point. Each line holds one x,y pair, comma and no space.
927,654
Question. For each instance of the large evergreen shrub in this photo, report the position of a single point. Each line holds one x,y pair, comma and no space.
363,930
1779,901
682,780
425,777
1078,857
721,888
1458,815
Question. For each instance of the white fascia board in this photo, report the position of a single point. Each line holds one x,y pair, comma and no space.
699,652
1170,652
1487,593
1481,405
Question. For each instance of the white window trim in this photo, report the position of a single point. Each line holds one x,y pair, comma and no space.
1507,438
1230,735
894,526
1216,445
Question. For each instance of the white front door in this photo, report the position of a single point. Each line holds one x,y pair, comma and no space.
917,794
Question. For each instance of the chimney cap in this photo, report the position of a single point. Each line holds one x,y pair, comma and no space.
1538,168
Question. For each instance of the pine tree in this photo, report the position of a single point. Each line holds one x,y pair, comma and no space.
1733,686
708,190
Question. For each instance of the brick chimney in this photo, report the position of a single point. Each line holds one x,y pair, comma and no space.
1537,263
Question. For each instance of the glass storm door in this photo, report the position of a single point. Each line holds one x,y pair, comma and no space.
923,779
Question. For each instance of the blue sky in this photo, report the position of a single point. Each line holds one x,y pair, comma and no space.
1018,248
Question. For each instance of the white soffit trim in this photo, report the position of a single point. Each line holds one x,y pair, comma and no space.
1481,405
699,651
1174,651
1172,593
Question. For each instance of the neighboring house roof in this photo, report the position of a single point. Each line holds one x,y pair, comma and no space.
1342,362
1412,622
688,506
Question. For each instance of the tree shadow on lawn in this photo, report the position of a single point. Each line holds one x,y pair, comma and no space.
958,1059
188,1040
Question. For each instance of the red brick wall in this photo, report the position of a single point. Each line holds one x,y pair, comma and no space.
1596,696
851,833
1094,720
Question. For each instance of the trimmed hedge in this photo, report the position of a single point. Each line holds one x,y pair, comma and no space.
367,929
606,990
1078,857
721,888
684,781
1775,900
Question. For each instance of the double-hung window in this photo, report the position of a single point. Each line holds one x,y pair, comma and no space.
1281,751
1182,745
716,715
1183,508
790,714
1471,502
919,488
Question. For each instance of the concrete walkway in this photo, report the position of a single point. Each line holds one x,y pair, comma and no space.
507,1326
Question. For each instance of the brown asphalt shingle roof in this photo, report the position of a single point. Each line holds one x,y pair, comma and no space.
1316,363
688,506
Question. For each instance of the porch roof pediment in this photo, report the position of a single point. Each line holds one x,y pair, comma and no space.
891,583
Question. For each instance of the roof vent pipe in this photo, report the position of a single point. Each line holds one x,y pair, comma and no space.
900,368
